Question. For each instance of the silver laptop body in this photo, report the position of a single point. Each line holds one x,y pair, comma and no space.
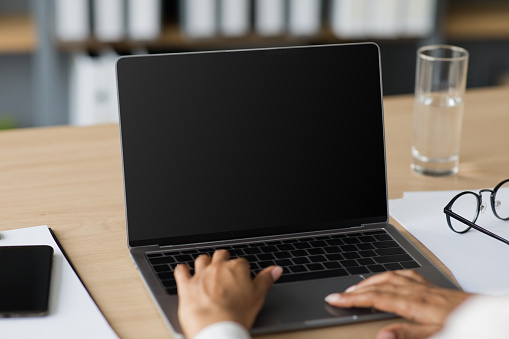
230,149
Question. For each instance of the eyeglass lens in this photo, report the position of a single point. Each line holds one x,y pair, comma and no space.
467,206
502,201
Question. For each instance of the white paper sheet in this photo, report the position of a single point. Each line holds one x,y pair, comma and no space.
72,312
479,262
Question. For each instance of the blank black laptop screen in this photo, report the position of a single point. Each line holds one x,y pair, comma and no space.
222,145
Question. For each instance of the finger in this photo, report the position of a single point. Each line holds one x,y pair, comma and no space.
241,265
373,280
182,275
413,275
387,301
201,262
418,305
407,331
265,278
221,255
401,278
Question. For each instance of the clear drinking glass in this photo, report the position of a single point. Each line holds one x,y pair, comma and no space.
438,114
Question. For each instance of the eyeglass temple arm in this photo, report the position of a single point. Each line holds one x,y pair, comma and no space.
477,227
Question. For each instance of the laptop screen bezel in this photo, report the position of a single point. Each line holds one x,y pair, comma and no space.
260,232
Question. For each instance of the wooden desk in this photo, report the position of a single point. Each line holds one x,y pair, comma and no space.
70,178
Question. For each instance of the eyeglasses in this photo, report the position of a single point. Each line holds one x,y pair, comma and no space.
463,210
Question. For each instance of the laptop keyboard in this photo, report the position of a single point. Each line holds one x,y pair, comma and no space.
302,259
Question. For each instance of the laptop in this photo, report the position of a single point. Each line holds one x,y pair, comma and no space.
274,154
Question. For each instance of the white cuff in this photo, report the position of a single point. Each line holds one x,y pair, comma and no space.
223,330
478,317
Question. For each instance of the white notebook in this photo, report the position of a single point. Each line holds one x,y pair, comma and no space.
72,311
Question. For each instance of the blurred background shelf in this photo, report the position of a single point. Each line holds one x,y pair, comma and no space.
477,20
172,39
57,56
17,34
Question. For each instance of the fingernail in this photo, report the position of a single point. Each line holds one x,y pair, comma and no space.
386,335
276,272
350,289
333,297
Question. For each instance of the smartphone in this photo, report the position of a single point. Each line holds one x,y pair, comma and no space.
25,274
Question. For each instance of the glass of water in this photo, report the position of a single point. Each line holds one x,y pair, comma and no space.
438,114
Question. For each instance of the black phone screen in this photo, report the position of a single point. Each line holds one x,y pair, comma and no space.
25,273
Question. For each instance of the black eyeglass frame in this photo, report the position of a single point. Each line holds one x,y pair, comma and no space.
471,224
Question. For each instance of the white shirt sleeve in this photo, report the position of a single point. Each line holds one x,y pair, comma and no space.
223,330
478,317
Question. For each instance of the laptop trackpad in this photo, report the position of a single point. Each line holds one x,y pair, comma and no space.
303,302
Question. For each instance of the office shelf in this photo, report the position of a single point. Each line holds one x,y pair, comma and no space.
171,38
17,34
478,20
